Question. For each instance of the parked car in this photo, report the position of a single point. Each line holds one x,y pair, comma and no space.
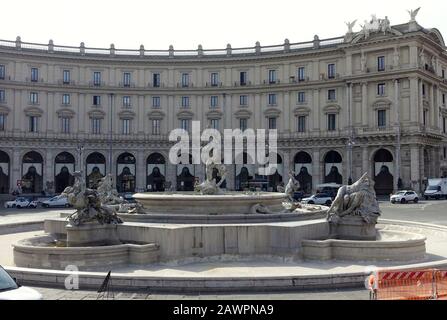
58,201
404,197
298,196
319,198
11,290
21,202
330,189
436,189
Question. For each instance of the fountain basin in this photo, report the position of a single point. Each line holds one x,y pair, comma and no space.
44,252
389,246
194,203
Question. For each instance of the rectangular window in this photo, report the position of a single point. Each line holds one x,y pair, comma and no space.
96,78
33,124
444,125
445,153
381,89
156,102
331,71
2,96
443,98
96,126
214,101
126,126
272,76
185,80
301,97
65,125
156,126
185,102
272,99
214,79
2,122
184,124
243,78
214,124
96,100
272,123
65,99
331,96
331,122
126,79
156,80
425,117
442,73
243,124
301,123
381,118
34,98
381,63
34,74
423,89
243,100
66,77
301,74
2,72
126,101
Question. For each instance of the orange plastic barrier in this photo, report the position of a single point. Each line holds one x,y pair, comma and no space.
405,285
441,284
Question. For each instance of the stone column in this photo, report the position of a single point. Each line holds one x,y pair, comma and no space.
171,174
51,126
397,173
287,166
48,168
414,98
316,170
15,167
141,116
365,104
366,167
231,177
415,169
140,171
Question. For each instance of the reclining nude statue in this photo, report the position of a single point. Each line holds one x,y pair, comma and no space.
358,199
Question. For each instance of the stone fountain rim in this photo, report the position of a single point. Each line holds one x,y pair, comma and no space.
199,197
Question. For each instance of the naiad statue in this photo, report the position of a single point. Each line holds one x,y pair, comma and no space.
87,203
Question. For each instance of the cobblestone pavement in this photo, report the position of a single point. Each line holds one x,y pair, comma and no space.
345,294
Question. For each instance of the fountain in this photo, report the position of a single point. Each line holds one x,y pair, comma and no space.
210,223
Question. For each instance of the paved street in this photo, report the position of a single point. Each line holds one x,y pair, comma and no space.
433,212
345,294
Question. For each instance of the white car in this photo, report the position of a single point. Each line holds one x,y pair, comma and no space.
58,201
21,202
319,198
10,290
404,197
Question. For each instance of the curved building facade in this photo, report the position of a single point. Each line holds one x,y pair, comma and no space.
372,101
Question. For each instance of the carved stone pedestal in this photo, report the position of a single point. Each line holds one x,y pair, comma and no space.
353,228
92,234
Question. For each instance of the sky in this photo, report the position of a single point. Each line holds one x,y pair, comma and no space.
187,23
